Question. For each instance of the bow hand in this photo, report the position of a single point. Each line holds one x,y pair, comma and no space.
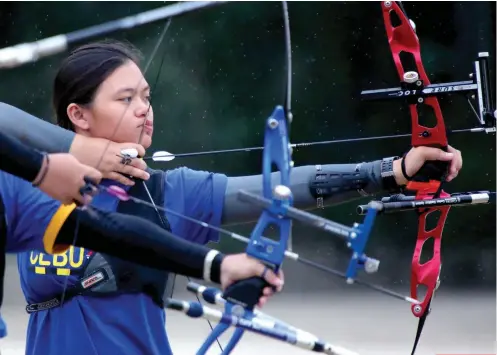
248,282
246,293
423,164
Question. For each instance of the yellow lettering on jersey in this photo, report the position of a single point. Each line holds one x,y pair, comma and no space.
42,261
62,263
74,264
33,258
59,260
63,271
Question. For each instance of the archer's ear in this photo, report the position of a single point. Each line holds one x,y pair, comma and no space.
78,116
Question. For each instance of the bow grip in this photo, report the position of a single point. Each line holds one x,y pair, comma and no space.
432,170
246,293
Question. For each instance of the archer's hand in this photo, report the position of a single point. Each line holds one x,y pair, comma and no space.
65,177
106,156
238,267
416,157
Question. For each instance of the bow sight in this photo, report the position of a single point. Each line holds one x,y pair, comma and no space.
413,90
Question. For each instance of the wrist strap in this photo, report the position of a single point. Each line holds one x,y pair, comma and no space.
209,258
43,172
403,168
387,175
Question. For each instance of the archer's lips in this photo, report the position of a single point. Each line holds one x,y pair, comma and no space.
148,129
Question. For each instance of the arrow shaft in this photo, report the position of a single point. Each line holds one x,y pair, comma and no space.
311,144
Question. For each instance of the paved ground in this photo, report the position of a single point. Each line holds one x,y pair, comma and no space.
461,323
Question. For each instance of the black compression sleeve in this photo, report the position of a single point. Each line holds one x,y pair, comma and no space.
41,135
18,159
137,240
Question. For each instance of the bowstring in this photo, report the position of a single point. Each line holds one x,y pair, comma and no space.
288,92
289,117
154,52
161,219
288,64
172,275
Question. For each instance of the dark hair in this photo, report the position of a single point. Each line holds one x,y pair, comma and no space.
82,72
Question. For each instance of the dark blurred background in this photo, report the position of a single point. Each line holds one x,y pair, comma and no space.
224,73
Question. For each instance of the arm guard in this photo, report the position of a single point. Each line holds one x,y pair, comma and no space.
312,187
331,180
33,131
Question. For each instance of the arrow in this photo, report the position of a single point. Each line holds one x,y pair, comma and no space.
166,156
157,156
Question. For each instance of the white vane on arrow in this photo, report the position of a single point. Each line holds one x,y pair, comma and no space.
157,156
163,156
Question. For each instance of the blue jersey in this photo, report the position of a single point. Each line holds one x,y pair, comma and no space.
126,324
25,214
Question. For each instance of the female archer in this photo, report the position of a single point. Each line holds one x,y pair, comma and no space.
23,211
96,95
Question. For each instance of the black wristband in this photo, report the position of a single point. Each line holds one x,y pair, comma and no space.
216,268
43,173
387,175
403,168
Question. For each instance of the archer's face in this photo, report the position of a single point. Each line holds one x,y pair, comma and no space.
121,109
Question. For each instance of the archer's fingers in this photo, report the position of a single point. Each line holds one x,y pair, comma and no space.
119,178
457,159
138,147
129,170
456,164
451,177
268,291
78,199
430,153
90,188
139,164
262,301
94,175
87,199
453,171
117,148
271,277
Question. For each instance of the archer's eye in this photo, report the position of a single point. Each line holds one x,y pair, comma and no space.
126,99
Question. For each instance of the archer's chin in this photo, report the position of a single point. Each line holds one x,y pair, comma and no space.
146,140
